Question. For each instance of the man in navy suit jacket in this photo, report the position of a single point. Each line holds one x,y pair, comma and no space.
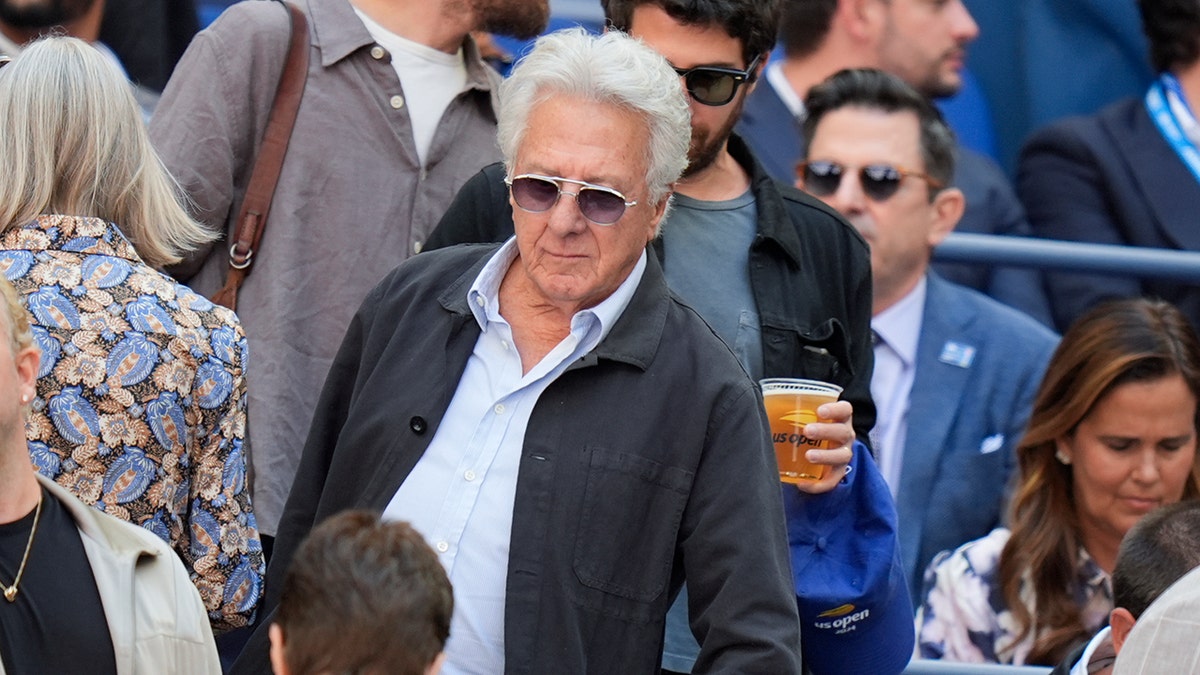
955,371
924,44
1118,178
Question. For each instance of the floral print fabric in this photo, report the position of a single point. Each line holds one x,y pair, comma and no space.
141,402
964,617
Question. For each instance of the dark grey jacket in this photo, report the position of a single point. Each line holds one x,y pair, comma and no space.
647,460
810,272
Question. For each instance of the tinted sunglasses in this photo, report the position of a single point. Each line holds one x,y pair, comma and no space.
879,181
536,193
713,85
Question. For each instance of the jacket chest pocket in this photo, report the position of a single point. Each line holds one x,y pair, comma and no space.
821,353
631,510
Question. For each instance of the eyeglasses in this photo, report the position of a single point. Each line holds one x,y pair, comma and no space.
879,181
536,193
713,85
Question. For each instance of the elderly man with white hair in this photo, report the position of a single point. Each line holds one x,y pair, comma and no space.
571,439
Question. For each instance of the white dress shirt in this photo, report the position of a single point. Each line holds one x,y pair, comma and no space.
783,89
898,330
460,494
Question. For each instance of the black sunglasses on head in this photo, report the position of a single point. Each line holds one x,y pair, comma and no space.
537,193
879,181
714,85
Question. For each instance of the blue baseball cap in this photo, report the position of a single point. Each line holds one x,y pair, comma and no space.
855,611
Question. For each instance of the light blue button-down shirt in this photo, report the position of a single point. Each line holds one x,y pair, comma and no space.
460,494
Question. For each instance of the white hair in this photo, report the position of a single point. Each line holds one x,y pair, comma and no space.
611,68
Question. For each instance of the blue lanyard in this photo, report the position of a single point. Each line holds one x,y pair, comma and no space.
1160,109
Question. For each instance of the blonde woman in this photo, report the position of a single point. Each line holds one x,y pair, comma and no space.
140,406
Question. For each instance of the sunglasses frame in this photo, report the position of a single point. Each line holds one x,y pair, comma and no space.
557,182
740,77
861,172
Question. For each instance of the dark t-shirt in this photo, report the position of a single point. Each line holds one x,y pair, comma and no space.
56,622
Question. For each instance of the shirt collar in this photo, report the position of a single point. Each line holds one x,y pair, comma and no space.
900,325
88,236
483,295
783,89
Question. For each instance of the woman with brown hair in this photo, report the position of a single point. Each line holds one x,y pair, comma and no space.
1112,435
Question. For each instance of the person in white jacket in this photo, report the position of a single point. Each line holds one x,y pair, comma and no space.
82,591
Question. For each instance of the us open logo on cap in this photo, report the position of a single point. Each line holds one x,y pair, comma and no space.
843,619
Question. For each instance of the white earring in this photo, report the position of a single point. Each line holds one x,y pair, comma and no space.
1062,458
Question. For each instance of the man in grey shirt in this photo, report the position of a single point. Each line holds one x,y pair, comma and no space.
370,168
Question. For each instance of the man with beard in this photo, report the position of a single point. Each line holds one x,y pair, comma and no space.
398,111
923,43
779,276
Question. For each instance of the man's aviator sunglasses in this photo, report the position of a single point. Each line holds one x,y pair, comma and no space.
536,193
879,181
713,85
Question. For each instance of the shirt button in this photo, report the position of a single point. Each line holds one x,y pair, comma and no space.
377,52
442,547
479,300
417,246
397,101
499,408
505,345
469,475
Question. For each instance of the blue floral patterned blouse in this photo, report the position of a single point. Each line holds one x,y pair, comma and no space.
964,616
141,401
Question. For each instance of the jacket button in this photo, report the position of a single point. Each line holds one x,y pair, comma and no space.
417,424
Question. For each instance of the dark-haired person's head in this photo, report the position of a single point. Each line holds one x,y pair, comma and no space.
804,24
717,47
753,22
880,153
1172,28
1155,553
362,595
874,89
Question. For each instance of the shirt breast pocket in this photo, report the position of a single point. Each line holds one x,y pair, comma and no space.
632,508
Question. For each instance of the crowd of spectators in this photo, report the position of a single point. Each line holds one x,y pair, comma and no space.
488,401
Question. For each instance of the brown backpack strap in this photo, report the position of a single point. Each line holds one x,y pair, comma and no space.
252,217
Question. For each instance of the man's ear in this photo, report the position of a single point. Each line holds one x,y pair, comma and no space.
278,662
863,20
948,207
659,212
1122,622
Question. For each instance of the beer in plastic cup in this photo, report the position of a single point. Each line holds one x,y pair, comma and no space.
791,404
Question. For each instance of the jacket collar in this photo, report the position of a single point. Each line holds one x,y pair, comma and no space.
112,533
774,223
338,32
634,338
